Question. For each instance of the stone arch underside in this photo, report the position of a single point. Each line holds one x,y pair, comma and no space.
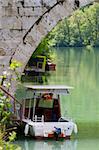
24,23
45,23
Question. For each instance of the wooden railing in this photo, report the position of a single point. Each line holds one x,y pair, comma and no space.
38,119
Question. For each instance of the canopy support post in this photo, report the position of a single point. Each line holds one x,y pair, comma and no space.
34,107
23,112
29,112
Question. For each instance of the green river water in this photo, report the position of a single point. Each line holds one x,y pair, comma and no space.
77,67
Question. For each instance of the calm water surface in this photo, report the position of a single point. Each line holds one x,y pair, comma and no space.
81,144
79,68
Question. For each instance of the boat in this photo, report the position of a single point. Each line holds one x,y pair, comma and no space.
37,64
42,114
50,66
40,64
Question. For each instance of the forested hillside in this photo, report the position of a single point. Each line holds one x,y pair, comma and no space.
80,29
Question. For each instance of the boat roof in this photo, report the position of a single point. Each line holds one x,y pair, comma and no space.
58,89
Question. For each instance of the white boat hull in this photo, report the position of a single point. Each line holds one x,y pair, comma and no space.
46,129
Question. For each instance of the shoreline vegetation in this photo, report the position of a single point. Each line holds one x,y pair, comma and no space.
79,30
7,126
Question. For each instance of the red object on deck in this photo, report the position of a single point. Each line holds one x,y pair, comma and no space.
52,67
50,135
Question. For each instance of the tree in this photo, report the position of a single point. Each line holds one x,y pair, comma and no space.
81,29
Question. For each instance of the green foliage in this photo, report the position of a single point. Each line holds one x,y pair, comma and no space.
14,65
5,107
81,29
12,136
43,48
6,145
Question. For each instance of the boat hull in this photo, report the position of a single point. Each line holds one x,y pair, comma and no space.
46,130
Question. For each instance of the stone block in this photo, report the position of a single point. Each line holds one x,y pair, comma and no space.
31,11
65,10
11,23
4,46
1,11
49,21
49,3
4,2
7,2
17,34
27,49
9,11
23,54
8,46
4,60
29,40
38,11
6,34
36,35
27,22
85,2
28,12
13,43
2,52
19,3
20,56
34,3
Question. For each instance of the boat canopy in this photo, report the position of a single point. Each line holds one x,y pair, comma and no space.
57,89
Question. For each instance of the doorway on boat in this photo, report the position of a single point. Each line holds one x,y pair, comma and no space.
46,105
49,107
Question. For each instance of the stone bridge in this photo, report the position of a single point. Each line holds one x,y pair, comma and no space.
23,24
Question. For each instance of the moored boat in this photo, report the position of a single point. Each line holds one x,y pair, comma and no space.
42,114
40,64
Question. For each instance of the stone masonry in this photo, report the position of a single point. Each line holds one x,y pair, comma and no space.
23,24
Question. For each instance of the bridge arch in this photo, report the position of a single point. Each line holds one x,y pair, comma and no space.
43,25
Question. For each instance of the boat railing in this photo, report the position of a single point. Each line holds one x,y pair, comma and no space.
38,119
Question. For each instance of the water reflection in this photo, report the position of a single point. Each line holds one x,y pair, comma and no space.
40,79
80,144
48,145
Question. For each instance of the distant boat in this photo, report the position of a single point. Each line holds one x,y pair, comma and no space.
50,66
41,115
40,64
